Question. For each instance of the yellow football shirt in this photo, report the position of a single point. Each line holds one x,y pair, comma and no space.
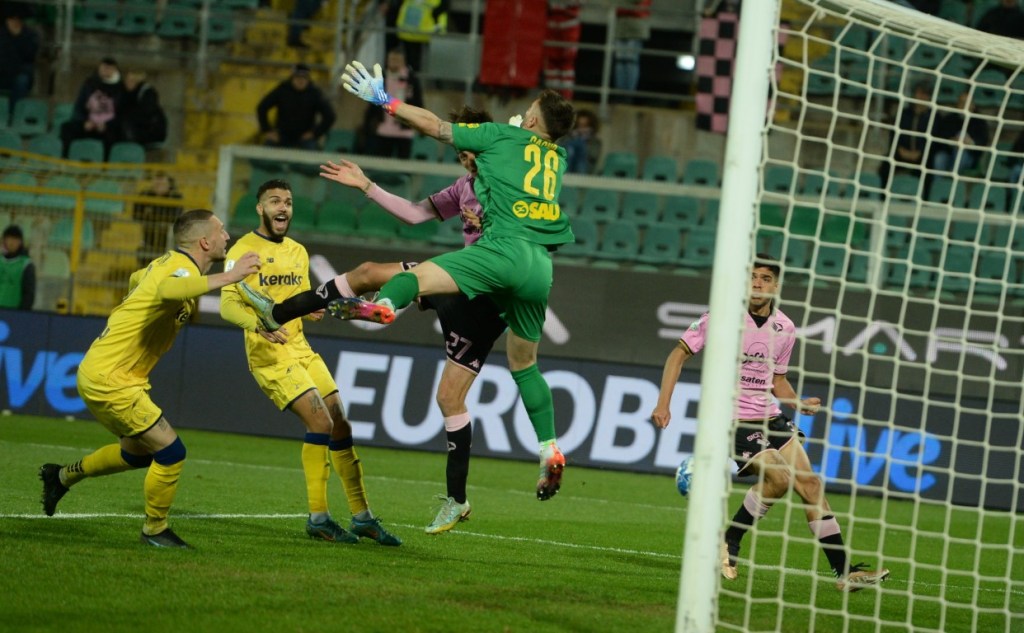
284,272
161,298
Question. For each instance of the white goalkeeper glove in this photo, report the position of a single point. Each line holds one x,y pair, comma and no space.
358,80
516,120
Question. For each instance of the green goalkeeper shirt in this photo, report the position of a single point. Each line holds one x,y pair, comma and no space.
519,177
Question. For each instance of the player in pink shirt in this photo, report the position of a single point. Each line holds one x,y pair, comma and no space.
767,442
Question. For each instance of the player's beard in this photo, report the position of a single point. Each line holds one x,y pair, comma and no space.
275,235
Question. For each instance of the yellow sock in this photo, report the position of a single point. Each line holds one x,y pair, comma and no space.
314,466
160,486
103,461
350,469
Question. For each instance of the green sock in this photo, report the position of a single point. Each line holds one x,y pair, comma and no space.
536,395
401,290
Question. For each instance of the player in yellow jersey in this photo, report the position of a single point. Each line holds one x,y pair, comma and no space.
295,377
113,378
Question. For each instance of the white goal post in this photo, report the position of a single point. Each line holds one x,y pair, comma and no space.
886,179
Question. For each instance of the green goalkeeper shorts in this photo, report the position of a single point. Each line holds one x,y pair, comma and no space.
515,273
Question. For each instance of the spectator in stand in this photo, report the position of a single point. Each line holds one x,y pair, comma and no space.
95,113
967,133
1006,19
304,114
632,29
560,61
415,22
157,219
19,45
386,135
582,146
910,140
17,272
143,121
304,11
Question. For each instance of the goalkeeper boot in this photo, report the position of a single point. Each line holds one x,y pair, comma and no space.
858,578
552,463
167,538
356,309
449,515
372,529
53,490
329,530
261,303
728,552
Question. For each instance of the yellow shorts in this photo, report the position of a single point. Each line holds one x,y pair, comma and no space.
286,381
125,410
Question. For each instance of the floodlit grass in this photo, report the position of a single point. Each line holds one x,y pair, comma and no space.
604,555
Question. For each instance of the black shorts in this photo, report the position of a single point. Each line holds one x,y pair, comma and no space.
751,440
470,328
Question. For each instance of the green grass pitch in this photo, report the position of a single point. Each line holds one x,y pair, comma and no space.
604,555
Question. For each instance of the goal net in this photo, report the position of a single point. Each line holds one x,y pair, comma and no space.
891,192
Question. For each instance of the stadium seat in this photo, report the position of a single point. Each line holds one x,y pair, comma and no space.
620,165
450,234
17,198
136,19
220,27
797,252
769,240
830,261
926,56
30,117
45,145
601,206
700,171
989,89
96,16
640,208
906,186
422,232
957,266
62,201
661,245
431,184
61,114
992,272
681,211
661,168
5,112
178,22
377,223
54,262
570,199
62,233
987,198
620,242
779,179
772,215
104,205
87,150
336,217
424,148
869,185
819,83
127,152
954,11
303,213
9,140
710,216
698,248
804,220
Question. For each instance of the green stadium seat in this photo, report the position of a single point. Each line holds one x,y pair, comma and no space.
431,184
620,242
585,245
804,220
244,208
62,113
127,152
989,89
681,211
220,28
449,154
136,20
906,186
779,179
5,112
769,240
698,248
104,205
819,82
601,206
965,231
772,215
422,232
927,56
303,213
661,169
954,11
178,22
45,145
640,208
797,252
620,165
988,198
424,148
450,233
662,245
337,217
941,190
957,267
62,233
700,171
86,150
830,261
54,263
710,216
96,16
570,198
10,140
62,201
377,223
30,117
869,185
17,198
992,272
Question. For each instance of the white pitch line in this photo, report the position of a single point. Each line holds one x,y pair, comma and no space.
498,537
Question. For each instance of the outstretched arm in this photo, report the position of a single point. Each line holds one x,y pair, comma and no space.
351,175
669,377
358,80
784,391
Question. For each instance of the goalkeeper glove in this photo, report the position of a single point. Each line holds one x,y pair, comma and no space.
358,80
